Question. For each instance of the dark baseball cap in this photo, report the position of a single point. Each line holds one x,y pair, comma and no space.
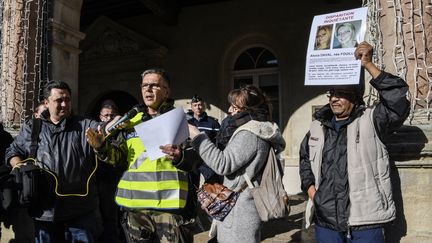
353,93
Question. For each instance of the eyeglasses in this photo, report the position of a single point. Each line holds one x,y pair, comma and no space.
344,33
108,115
153,86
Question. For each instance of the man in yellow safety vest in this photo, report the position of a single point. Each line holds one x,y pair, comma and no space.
152,193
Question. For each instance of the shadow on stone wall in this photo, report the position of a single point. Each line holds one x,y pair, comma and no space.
397,229
405,146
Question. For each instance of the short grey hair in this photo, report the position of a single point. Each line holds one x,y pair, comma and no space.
159,71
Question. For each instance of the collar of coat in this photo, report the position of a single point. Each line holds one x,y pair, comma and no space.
325,114
166,106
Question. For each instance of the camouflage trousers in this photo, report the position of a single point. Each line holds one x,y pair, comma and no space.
147,226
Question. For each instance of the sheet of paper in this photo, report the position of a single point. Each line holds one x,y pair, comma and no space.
168,128
332,62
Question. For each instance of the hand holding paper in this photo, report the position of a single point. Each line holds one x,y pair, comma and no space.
168,128
172,151
364,52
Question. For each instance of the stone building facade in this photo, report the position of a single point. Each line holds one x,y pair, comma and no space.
209,46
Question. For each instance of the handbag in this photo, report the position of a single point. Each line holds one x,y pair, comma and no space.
216,199
27,184
33,188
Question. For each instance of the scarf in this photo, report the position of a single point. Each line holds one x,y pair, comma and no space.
231,123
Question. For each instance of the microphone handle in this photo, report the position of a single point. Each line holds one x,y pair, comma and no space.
117,123
129,115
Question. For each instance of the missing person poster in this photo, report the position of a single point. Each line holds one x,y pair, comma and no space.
332,41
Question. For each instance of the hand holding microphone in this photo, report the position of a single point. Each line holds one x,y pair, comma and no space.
117,123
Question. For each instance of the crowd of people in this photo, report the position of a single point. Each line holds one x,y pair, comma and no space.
108,189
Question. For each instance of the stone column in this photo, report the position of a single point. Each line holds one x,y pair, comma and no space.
65,47
406,28
12,75
23,64
402,35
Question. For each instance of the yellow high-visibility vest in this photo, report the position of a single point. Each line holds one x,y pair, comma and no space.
150,183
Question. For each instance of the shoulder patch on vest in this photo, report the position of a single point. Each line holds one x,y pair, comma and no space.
132,134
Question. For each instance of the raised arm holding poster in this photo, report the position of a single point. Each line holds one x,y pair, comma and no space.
332,41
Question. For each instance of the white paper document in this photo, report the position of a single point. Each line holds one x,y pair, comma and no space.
332,41
168,128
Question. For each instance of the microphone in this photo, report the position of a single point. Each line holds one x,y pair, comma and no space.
129,115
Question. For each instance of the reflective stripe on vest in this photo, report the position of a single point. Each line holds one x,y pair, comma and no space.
150,183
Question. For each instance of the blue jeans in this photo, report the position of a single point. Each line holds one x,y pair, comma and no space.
325,235
83,229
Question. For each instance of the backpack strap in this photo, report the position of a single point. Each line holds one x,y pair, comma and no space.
37,122
248,180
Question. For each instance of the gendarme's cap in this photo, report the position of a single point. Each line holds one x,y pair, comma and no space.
196,98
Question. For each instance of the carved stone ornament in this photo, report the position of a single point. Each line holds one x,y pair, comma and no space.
106,38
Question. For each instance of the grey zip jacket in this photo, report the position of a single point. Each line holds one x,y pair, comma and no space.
246,152
350,166
370,191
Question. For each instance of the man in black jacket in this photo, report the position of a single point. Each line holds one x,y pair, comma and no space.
18,218
344,166
5,140
199,118
64,151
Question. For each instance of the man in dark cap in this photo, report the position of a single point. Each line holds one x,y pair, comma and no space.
201,120
343,156
347,97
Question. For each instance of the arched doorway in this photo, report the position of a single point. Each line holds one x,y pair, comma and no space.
259,66
123,100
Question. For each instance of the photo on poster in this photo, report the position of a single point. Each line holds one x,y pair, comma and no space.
333,39
346,34
323,37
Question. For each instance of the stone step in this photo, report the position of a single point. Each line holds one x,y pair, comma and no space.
283,230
